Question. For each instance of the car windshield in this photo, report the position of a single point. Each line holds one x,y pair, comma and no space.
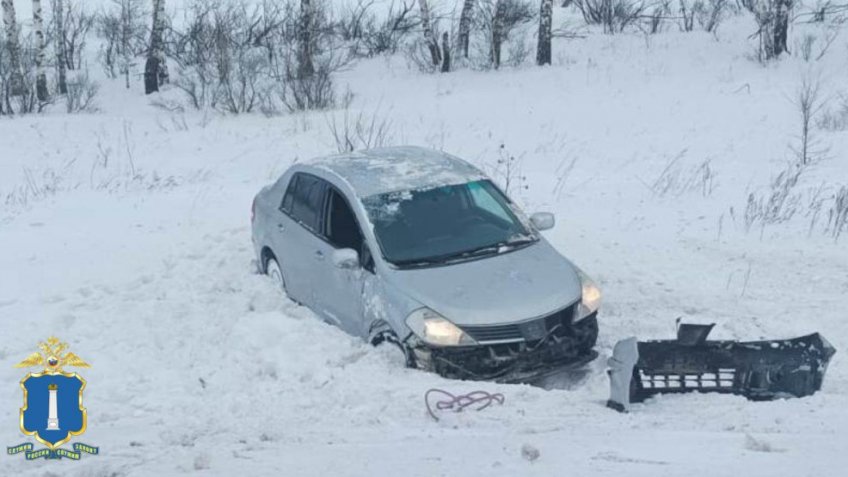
444,224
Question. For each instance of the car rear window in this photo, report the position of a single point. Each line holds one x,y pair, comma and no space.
303,200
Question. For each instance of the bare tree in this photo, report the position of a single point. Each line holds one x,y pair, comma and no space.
76,26
305,66
122,31
82,93
240,56
498,34
38,30
61,64
497,20
687,16
368,36
781,25
196,53
809,105
712,15
429,35
446,59
294,90
543,49
155,69
465,18
397,24
658,13
21,77
17,86
772,17
4,79
355,24
224,55
614,15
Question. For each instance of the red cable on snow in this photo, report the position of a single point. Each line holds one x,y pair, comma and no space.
457,403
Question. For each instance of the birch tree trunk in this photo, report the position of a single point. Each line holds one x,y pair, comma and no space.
772,17
59,15
155,69
305,66
766,22
16,77
781,26
126,32
543,49
429,36
446,57
465,26
497,33
164,76
40,73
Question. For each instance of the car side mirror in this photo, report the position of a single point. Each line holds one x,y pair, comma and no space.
346,258
543,220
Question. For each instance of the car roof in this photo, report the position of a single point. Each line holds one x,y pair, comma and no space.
392,169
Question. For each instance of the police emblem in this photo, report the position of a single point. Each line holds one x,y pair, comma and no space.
52,412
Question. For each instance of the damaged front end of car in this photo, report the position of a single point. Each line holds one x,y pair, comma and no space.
512,352
545,346
758,370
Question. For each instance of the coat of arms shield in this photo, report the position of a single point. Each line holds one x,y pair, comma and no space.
52,410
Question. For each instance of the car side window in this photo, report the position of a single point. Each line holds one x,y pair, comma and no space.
304,200
343,229
288,198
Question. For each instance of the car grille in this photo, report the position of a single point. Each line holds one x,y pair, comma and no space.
557,323
494,333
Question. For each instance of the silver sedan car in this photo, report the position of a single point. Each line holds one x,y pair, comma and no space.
419,249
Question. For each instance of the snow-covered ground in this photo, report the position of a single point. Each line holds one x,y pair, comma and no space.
126,233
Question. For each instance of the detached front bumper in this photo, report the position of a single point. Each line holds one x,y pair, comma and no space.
512,362
758,370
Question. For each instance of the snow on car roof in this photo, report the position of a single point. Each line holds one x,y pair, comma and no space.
390,169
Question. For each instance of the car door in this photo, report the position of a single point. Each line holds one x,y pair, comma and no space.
299,234
341,293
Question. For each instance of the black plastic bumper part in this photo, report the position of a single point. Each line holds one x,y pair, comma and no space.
758,370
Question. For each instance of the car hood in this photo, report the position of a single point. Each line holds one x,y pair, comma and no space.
513,286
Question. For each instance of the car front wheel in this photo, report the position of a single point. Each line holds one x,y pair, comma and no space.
400,351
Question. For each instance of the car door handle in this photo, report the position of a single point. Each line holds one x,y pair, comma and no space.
319,255
280,227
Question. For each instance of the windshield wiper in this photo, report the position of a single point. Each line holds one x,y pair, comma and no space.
417,262
448,258
519,241
487,250
493,249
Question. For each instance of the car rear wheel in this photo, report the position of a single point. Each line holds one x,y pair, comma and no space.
272,269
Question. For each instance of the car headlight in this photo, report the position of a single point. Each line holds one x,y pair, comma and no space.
435,329
591,296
